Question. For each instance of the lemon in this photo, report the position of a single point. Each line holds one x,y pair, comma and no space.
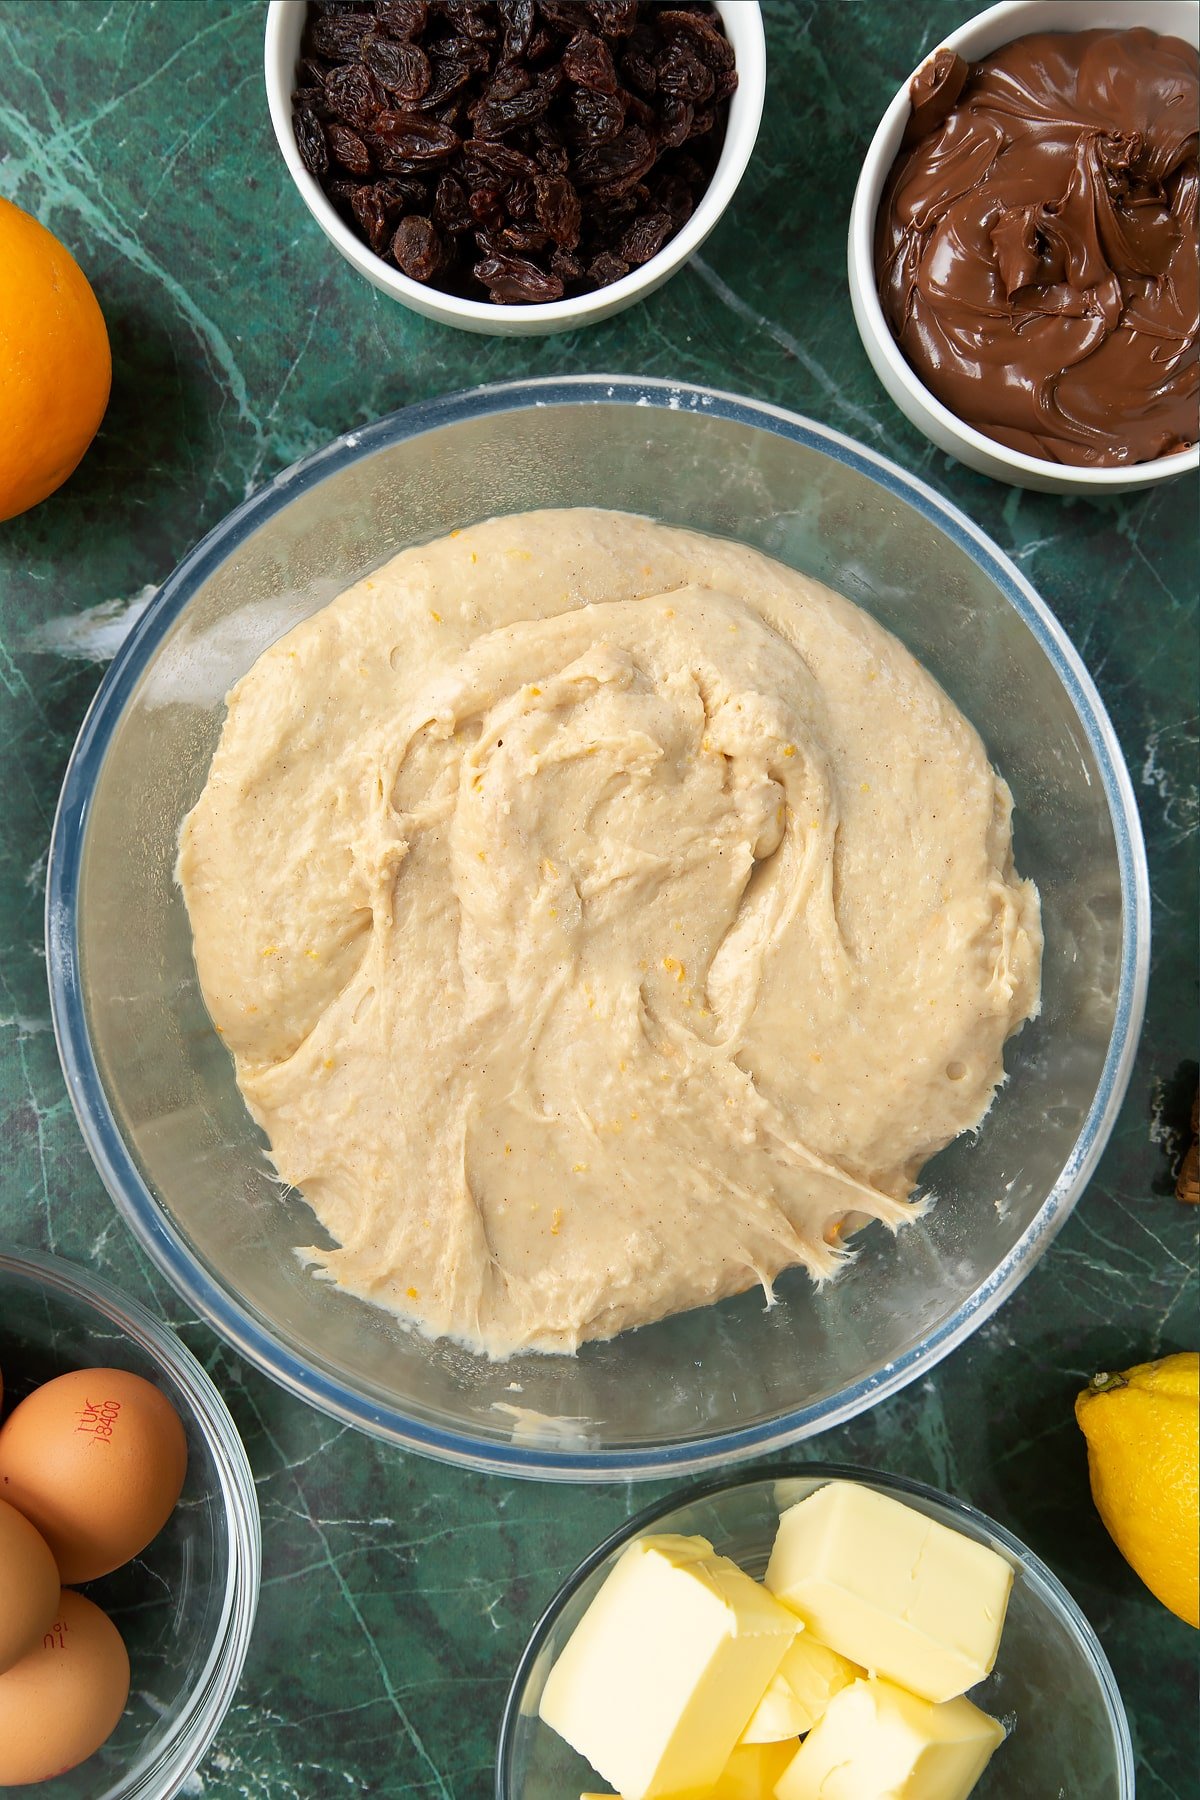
1143,1436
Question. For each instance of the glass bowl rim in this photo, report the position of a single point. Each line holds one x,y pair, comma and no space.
1051,1589
199,1720
164,1241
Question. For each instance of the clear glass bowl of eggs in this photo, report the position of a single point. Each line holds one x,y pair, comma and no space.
145,1479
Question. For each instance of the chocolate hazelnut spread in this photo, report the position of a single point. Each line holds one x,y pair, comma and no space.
1035,246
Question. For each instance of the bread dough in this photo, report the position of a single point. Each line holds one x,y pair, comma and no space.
602,918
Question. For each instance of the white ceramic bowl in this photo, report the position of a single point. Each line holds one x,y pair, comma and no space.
986,32
742,20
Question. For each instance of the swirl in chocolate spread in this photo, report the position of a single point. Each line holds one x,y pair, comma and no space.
1035,246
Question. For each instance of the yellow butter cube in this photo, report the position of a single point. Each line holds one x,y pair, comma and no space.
877,1742
815,1673
778,1715
809,1676
753,1770
660,1676
891,1589
750,1773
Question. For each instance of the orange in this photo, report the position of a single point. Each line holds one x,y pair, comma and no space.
55,364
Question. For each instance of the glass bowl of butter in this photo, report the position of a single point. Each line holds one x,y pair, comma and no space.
933,1655
153,1084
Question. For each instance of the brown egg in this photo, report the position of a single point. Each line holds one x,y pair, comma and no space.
96,1460
60,1703
29,1586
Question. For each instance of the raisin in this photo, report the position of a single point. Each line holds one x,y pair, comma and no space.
612,216
522,240
567,267
558,209
593,118
674,196
675,121
726,84
639,63
522,203
645,237
452,66
402,68
403,193
541,44
309,99
588,63
376,218
684,75
402,18
311,74
700,34
517,17
486,206
348,149
515,280
467,16
454,114
342,193
509,80
494,118
417,249
566,15
310,141
450,210
353,95
607,268
613,166
405,141
338,36
690,171
499,159
616,17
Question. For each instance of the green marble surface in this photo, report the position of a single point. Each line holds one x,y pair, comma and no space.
398,1594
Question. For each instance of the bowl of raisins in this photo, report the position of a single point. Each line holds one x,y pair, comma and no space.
516,166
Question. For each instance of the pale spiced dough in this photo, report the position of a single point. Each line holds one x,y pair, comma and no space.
603,918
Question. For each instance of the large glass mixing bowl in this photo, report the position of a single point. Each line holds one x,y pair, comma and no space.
154,1090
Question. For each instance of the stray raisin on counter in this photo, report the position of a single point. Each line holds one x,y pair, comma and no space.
515,151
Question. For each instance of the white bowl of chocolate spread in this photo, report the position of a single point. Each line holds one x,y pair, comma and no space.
1023,256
